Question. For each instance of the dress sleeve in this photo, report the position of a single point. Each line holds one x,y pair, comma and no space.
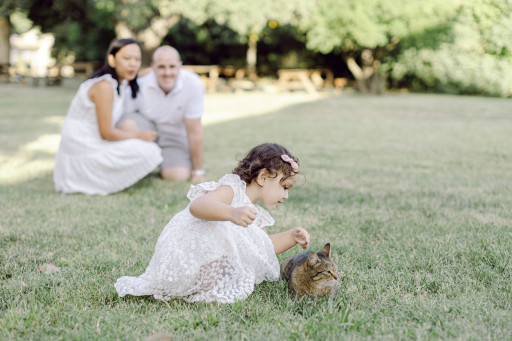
230,179
263,219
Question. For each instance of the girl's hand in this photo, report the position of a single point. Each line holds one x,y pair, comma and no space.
243,216
147,135
301,236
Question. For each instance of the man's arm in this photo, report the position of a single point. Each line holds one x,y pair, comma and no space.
195,140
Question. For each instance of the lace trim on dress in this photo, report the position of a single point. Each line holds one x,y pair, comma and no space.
263,218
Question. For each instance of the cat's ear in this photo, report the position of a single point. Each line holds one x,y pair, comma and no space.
326,250
312,258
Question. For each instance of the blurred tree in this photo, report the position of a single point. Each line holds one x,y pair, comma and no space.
208,43
471,53
83,28
365,31
7,7
5,33
284,46
248,19
146,21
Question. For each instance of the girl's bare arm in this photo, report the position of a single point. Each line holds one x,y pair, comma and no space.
216,206
288,239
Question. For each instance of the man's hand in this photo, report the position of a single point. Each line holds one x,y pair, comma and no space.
243,216
301,236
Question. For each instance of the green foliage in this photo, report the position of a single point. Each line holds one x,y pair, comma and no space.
83,28
136,14
284,46
7,7
20,23
470,54
245,17
89,39
281,46
437,45
206,44
353,25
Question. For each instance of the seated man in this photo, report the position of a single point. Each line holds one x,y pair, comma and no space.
170,102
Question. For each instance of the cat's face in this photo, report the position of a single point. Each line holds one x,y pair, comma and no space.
321,270
311,273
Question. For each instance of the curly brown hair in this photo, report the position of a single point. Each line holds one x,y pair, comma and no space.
265,156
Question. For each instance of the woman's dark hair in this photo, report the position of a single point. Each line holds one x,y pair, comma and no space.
265,156
114,47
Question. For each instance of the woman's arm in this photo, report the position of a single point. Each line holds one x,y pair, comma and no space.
102,95
216,206
288,239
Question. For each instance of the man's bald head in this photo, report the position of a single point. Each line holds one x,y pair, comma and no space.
166,64
166,51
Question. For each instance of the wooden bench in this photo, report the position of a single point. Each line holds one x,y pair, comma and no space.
85,69
309,80
208,73
237,78
4,72
339,84
54,76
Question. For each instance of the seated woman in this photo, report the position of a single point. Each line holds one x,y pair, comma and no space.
94,157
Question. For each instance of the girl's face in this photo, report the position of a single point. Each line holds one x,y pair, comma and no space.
273,191
127,61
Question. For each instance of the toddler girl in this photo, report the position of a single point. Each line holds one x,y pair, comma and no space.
218,247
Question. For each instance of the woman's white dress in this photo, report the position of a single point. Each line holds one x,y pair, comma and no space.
86,163
210,261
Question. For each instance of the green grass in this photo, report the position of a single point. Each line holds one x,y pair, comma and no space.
412,191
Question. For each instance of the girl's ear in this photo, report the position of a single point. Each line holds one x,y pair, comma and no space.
262,176
111,60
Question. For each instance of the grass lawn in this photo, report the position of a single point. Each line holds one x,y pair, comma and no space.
413,191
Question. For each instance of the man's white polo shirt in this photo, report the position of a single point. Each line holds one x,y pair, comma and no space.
169,111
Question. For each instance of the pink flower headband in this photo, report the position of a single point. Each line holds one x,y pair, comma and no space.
291,161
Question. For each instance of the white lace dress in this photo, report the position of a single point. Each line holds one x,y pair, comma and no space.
86,163
211,261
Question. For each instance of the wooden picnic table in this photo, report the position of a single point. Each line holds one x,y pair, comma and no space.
208,73
310,80
4,71
85,69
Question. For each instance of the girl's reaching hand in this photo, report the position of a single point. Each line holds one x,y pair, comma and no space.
243,216
301,236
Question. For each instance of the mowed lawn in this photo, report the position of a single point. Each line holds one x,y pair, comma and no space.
413,191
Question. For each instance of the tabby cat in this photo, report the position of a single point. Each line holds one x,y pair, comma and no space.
311,273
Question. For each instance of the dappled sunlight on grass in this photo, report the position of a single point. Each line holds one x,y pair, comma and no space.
45,143
225,107
31,160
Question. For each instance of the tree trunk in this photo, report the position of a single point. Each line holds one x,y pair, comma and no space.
5,46
367,75
252,53
151,37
